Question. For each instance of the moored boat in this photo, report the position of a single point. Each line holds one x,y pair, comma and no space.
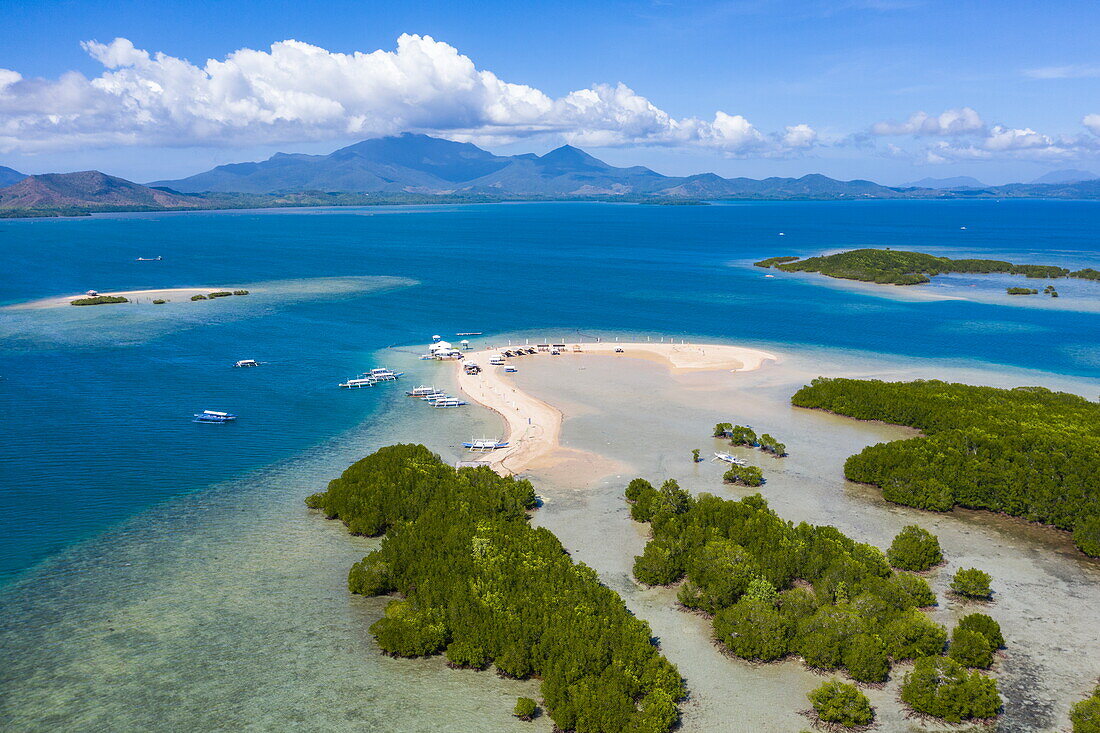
359,383
448,402
727,458
214,416
421,391
382,375
485,444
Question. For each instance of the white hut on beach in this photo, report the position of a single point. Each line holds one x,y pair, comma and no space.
443,350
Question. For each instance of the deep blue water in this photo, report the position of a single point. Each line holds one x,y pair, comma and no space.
96,405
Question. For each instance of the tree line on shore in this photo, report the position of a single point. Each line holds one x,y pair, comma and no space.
774,589
479,584
1028,452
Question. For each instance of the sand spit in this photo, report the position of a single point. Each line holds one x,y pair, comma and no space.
533,427
163,293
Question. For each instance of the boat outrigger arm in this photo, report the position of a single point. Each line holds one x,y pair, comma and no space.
485,444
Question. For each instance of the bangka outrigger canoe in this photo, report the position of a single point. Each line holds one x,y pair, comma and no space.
213,416
485,444
726,457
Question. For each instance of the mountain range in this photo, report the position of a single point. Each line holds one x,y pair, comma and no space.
1066,176
945,183
88,190
413,168
8,176
427,165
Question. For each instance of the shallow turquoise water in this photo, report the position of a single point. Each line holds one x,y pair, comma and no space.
161,574
98,400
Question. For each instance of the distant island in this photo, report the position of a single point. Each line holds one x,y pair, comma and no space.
900,267
419,169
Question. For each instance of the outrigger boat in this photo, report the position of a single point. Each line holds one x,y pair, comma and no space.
437,395
448,402
359,383
485,444
382,375
246,363
158,258
726,457
214,416
421,391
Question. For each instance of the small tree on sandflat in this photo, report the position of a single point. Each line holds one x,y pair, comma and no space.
841,704
972,583
525,708
914,548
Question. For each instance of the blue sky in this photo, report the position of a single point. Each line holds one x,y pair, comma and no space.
891,90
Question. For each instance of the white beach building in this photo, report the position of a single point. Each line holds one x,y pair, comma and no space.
443,350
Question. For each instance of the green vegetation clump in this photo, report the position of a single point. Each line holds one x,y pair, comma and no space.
1022,291
775,588
773,261
198,296
742,435
1086,535
240,292
970,649
985,626
900,267
99,300
914,548
525,709
769,444
841,704
159,301
482,585
744,476
746,436
1085,714
1028,452
220,294
972,583
942,688
1086,274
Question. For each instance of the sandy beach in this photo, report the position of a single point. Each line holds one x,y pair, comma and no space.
533,427
163,293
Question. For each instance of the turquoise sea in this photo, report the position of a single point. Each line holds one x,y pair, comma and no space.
101,466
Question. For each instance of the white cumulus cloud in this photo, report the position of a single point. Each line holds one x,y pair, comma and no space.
1092,122
295,91
961,121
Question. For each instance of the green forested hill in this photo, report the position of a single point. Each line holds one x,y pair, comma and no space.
1028,452
484,587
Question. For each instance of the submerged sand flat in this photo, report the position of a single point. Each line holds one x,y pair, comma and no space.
648,419
162,293
533,427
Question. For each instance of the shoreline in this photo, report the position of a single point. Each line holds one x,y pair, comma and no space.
58,301
532,427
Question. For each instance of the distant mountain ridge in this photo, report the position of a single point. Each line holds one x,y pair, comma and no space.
1066,176
8,176
942,183
418,169
88,190
421,164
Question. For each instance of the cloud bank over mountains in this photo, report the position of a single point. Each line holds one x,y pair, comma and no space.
964,135
297,92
